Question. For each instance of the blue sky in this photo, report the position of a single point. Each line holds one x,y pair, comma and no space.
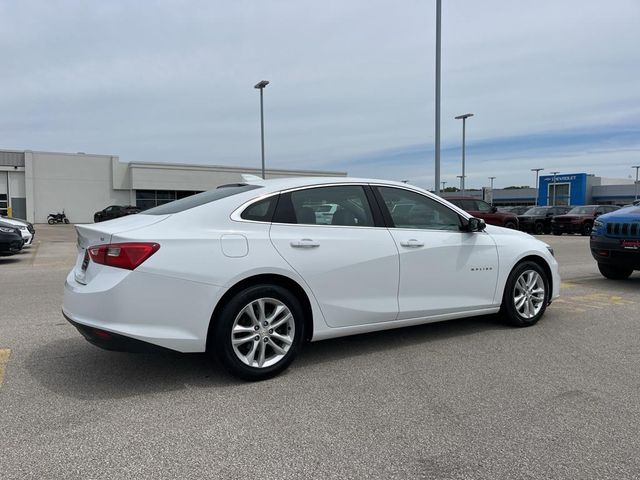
552,84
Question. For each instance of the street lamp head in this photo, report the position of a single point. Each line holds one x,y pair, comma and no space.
261,84
536,169
462,117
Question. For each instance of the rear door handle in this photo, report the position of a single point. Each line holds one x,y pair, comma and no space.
305,243
412,243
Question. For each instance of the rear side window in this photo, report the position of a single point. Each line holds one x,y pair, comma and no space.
199,199
261,211
340,205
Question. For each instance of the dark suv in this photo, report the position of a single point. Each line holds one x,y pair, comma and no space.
114,211
615,242
538,219
579,219
481,209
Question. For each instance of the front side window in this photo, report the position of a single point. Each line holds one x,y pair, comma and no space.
340,205
412,210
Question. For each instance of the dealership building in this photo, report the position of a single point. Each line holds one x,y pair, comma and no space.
563,189
34,184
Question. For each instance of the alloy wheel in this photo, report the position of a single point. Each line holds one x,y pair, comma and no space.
263,332
529,294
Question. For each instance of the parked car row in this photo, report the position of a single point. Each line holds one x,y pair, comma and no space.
537,220
14,235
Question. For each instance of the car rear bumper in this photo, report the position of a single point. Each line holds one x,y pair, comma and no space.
610,251
159,310
113,341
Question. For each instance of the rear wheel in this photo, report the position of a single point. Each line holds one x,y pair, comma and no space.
51,221
526,295
259,332
613,272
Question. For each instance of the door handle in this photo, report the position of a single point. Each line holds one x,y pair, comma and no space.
305,243
412,243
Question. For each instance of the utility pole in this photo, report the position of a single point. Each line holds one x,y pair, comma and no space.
537,170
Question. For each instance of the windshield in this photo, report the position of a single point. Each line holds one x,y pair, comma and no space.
197,200
536,211
582,210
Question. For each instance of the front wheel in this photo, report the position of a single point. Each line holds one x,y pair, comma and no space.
538,228
66,220
613,272
511,225
526,295
555,232
258,332
51,221
586,229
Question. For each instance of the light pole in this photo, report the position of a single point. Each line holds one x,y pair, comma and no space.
537,170
260,86
461,182
437,140
554,189
443,184
464,129
636,184
492,179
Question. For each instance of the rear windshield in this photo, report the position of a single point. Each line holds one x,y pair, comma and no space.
199,199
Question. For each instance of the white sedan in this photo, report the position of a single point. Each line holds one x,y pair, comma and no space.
247,273
26,229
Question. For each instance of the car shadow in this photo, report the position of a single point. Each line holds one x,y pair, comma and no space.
73,367
426,334
9,260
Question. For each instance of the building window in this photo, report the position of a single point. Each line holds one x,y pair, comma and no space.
146,199
4,205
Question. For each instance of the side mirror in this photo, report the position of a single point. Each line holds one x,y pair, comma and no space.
494,209
476,225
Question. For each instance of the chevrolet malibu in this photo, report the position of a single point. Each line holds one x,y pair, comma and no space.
247,273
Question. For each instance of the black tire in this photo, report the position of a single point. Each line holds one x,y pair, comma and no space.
586,229
51,221
508,309
511,225
557,233
221,344
613,272
66,220
538,228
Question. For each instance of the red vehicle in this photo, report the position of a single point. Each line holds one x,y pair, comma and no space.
489,213
579,219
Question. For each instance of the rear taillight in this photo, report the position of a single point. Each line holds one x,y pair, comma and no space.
122,255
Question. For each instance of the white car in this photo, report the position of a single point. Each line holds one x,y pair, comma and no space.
26,229
246,273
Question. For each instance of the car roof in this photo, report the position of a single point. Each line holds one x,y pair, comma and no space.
277,184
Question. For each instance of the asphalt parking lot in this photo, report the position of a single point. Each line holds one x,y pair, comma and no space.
463,399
